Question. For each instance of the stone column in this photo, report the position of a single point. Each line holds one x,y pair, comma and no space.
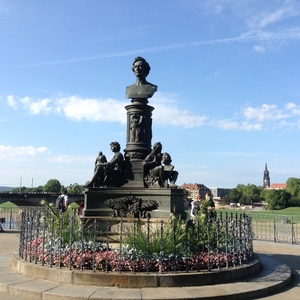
138,140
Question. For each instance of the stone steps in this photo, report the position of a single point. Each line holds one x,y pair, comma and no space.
273,277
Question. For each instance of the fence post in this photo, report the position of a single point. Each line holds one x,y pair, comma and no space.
10,217
274,229
292,230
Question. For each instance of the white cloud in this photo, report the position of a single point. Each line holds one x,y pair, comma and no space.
110,110
167,112
290,106
250,127
228,124
259,49
218,8
70,159
264,112
11,101
266,18
7,152
293,108
77,108
225,124
36,107
262,117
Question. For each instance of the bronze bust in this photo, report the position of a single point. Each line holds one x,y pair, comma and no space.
141,88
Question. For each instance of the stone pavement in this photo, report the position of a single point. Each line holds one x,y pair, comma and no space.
288,254
271,253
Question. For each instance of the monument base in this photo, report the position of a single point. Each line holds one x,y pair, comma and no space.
170,200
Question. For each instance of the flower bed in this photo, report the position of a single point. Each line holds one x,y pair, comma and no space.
66,240
95,256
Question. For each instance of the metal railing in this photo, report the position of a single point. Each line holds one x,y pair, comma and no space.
11,217
128,244
276,228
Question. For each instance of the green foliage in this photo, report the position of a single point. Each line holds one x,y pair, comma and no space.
245,200
245,194
38,189
164,236
75,188
174,232
52,186
293,187
277,199
24,189
63,225
226,200
294,202
186,193
234,196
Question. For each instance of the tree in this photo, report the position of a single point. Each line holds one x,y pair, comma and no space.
294,202
226,200
75,188
21,190
249,189
293,187
39,189
245,200
187,194
52,186
277,199
235,195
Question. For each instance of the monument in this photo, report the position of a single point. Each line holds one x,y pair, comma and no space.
142,171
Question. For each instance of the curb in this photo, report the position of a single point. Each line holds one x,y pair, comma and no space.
273,277
137,280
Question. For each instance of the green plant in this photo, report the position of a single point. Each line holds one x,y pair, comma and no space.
64,225
172,236
159,235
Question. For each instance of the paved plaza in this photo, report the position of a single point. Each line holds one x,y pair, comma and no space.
285,253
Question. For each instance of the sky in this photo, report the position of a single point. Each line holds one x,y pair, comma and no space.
227,72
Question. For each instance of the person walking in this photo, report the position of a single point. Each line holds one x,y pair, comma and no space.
209,206
195,206
62,202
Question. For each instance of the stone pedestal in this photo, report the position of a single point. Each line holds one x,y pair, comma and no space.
134,173
170,200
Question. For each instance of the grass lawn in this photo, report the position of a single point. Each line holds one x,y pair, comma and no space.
290,211
7,204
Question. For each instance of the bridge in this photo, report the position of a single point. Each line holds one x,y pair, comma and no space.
34,199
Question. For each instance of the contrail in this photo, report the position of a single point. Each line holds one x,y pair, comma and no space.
292,34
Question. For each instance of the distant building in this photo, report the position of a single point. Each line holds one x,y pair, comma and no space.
277,186
267,184
266,179
219,193
195,189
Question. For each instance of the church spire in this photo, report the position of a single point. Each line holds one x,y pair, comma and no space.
266,179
